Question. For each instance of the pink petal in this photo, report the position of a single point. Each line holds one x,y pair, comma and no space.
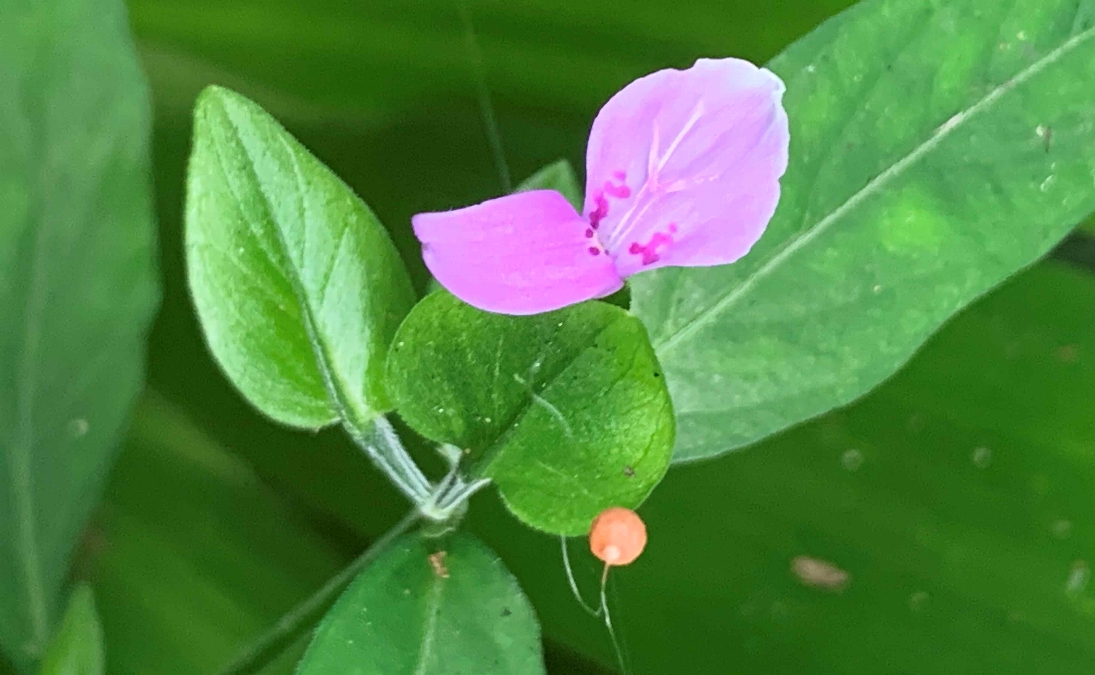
521,254
683,166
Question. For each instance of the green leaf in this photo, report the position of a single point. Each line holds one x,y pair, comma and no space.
558,176
916,520
297,285
954,498
77,648
78,287
566,411
444,606
921,176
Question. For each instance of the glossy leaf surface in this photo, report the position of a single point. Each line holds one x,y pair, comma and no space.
429,607
920,177
566,411
297,284
383,96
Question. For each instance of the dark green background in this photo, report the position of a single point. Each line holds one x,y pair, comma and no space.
958,497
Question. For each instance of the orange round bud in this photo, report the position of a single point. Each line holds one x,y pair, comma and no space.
617,536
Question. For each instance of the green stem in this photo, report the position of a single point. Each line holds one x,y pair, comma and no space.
490,124
261,652
378,440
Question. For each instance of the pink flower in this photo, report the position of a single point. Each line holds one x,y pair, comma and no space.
683,169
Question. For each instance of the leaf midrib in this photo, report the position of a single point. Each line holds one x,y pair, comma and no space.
335,387
481,466
26,539
433,609
793,245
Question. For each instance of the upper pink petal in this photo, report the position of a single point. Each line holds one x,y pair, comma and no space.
525,253
683,166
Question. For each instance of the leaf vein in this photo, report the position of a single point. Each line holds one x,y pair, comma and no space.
428,636
795,244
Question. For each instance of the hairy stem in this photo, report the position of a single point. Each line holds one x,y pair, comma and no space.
381,444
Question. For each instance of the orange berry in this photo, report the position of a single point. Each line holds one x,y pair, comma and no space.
617,536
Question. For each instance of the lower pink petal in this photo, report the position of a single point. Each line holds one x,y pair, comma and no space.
525,253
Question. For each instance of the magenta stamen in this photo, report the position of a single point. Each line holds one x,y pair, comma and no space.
650,250
696,141
597,216
617,191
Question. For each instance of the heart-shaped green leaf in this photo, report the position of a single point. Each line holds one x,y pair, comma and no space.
566,411
298,287
77,648
936,148
444,606
78,288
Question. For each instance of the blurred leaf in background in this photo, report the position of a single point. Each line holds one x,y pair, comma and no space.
192,556
77,287
953,498
77,648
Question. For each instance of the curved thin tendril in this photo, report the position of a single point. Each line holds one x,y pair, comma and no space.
573,583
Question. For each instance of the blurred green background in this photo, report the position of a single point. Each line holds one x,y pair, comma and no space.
957,498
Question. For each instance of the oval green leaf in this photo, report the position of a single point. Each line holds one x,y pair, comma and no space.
78,287
936,148
77,648
445,606
297,284
566,412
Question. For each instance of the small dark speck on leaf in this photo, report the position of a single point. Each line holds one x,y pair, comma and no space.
657,374
506,612
629,472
